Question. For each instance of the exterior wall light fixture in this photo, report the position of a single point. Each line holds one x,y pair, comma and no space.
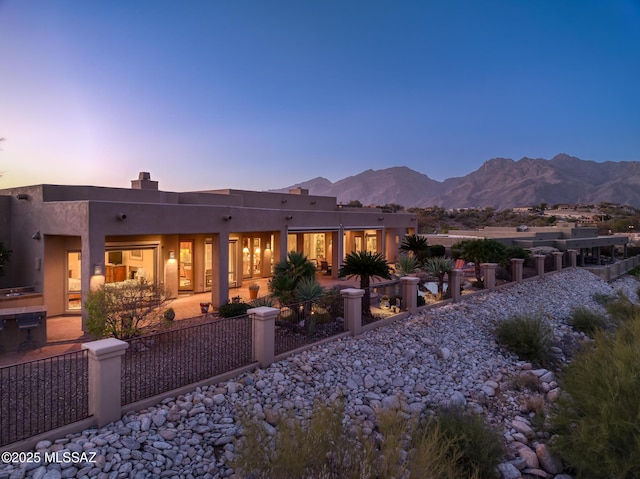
122,216
227,217
22,196
172,254
97,269
289,218
36,235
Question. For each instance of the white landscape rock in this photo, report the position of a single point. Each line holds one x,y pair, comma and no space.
435,357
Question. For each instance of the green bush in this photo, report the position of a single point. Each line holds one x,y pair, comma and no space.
597,421
475,448
231,310
530,337
621,309
587,321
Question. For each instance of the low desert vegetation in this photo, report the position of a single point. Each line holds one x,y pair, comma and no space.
448,445
123,311
528,336
596,423
587,321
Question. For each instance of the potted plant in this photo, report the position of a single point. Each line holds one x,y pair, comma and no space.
385,303
253,290
169,314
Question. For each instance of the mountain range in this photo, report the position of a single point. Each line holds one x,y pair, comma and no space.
499,183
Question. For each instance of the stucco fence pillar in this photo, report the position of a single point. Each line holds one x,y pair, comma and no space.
538,260
489,274
573,257
353,309
410,293
517,265
264,334
455,278
105,363
557,260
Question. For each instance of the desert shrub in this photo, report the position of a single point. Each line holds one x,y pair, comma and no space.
323,446
231,310
602,298
597,422
123,310
529,337
333,302
437,250
587,321
475,447
621,309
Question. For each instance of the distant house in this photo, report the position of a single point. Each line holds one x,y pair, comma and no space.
565,236
66,238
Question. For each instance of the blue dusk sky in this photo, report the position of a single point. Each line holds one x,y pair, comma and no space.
262,94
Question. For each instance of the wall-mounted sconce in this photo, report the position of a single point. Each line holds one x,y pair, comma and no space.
245,250
122,216
36,235
172,254
289,218
227,217
22,196
313,202
380,218
413,219
97,269
268,247
284,201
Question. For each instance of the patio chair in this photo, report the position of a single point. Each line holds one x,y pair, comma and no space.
325,267
28,321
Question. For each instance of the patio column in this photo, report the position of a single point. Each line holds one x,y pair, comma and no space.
353,309
410,293
92,266
557,260
517,265
105,379
219,268
264,333
455,277
572,257
489,273
539,262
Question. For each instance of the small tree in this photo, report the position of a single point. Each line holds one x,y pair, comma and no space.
5,254
365,265
121,311
480,251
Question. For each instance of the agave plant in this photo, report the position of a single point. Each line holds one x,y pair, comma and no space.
407,265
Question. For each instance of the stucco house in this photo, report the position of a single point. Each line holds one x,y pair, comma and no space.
64,238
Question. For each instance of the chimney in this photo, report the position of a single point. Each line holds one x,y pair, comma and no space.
298,191
144,182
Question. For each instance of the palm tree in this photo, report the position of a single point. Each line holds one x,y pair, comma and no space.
439,266
480,251
418,246
366,265
288,273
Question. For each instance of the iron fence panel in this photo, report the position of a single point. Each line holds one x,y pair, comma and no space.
161,362
42,395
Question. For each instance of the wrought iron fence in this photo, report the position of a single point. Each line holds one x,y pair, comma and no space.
164,361
42,395
385,301
304,323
